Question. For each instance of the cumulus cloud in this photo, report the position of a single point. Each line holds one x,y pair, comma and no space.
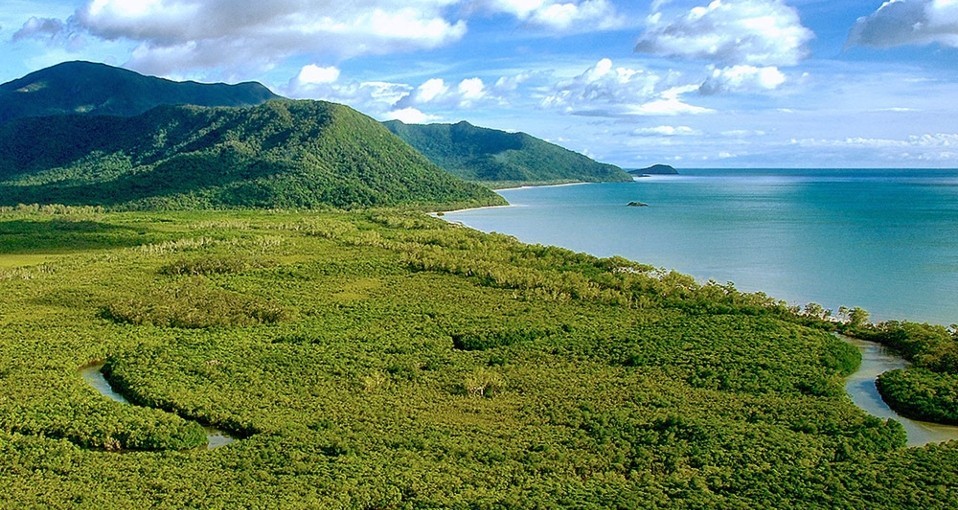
727,32
602,83
742,78
471,90
312,74
388,100
430,90
559,15
606,90
903,22
176,34
436,93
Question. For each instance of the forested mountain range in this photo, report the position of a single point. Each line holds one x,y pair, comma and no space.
279,154
488,155
99,89
87,133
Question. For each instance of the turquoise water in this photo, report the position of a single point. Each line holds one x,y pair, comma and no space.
885,240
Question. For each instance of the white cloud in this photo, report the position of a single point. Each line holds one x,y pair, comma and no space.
470,90
178,34
666,131
410,116
607,91
374,98
742,78
670,103
729,32
602,85
430,90
742,133
388,100
437,94
575,15
929,148
925,141
312,74
901,22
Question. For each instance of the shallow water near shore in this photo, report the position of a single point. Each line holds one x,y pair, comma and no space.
879,239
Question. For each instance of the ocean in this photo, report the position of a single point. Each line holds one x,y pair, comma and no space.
883,240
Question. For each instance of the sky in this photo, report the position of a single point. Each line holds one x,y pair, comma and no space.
691,83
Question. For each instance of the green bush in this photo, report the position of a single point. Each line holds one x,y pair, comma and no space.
193,304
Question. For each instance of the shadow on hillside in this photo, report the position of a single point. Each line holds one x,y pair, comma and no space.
62,235
194,175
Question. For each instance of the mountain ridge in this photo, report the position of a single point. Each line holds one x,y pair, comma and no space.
498,157
80,87
281,154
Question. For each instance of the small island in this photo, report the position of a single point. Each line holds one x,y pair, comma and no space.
638,204
654,170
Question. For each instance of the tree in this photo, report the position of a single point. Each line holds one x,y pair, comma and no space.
857,317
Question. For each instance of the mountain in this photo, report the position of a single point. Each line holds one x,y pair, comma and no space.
90,88
498,157
283,153
655,170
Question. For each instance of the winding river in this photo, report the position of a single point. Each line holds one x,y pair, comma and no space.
92,374
861,387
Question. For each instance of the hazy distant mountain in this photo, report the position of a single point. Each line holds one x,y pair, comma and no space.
89,88
492,156
279,154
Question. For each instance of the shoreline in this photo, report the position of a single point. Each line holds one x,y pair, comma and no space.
440,214
529,186
925,302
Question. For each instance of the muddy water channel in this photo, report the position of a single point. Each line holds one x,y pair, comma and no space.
94,377
860,386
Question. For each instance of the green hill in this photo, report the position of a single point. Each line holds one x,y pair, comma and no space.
279,154
498,157
90,88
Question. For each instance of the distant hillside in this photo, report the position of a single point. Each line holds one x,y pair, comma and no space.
655,170
89,88
280,154
492,156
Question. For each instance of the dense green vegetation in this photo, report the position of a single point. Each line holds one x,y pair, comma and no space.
413,364
97,89
502,159
928,389
289,154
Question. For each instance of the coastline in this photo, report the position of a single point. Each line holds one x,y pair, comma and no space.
807,227
440,214
529,186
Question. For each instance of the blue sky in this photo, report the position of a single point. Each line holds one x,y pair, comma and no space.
693,83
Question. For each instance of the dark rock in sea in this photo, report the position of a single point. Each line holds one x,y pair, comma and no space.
638,204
